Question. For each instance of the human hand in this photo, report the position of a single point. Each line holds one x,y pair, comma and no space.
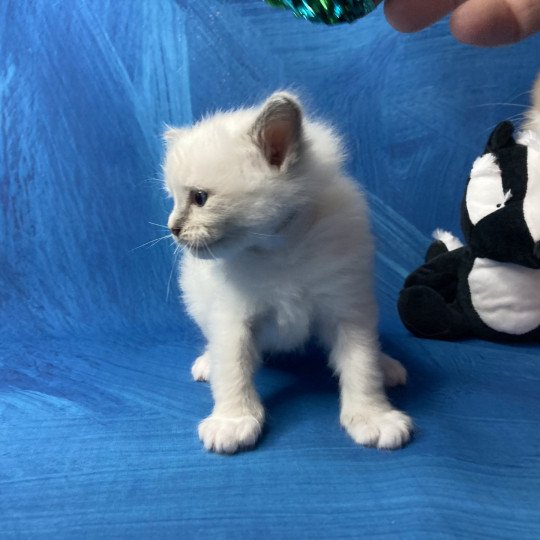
476,22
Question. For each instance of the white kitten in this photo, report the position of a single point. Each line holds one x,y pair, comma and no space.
278,248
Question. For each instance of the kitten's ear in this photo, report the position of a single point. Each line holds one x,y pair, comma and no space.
278,130
172,134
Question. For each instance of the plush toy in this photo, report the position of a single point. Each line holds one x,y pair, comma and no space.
488,288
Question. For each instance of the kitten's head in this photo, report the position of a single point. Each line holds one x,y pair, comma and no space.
236,177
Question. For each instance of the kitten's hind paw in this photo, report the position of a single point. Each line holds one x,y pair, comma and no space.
394,372
388,429
228,435
200,370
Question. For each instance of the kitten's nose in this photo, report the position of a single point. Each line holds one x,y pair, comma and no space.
536,250
176,229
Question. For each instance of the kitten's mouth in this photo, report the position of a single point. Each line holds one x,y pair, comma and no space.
235,239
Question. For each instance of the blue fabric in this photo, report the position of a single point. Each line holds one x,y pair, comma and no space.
97,409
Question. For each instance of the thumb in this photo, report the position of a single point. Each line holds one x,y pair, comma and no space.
495,22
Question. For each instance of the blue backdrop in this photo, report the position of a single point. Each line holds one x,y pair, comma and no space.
97,409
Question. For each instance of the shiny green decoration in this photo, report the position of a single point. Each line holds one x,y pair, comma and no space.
327,11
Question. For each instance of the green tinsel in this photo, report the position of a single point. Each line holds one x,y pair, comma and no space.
327,11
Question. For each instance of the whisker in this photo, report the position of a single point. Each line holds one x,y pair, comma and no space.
194,246
158,225
209,250
262,234
173,266
518,117
501,104
153,242
521,94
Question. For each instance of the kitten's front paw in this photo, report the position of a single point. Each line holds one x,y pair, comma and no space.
394,372
228,435
386,429
200,370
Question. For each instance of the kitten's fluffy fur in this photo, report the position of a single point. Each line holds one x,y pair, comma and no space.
280,251
532,121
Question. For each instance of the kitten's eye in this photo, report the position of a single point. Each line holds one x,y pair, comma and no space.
199,197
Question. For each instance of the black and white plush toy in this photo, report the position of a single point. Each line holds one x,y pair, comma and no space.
488,288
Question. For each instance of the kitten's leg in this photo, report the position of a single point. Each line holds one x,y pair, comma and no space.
200,370
366,413
394,372
238,415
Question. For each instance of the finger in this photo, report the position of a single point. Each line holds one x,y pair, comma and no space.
413,15
495,22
